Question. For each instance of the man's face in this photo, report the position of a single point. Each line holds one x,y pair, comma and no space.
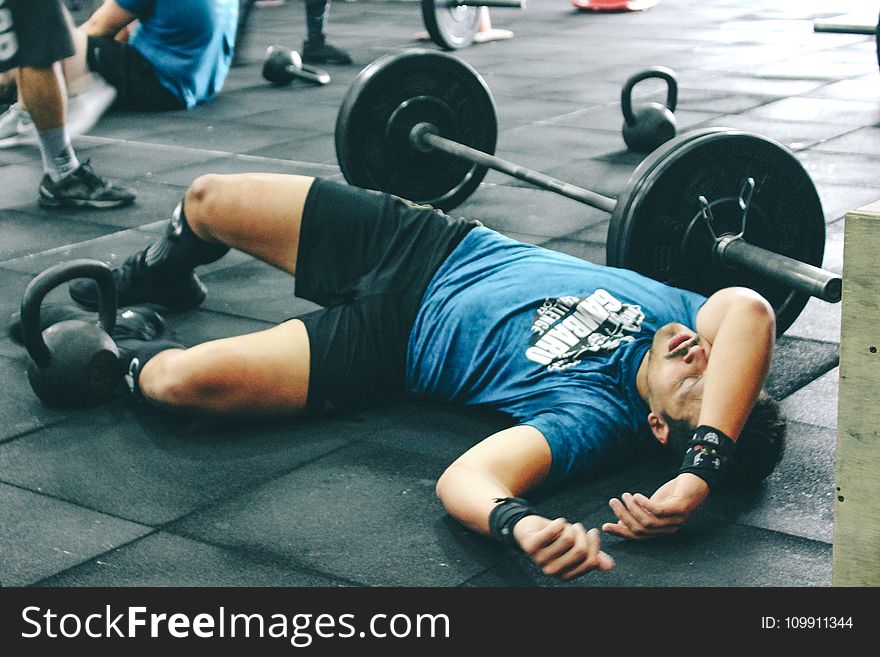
674,375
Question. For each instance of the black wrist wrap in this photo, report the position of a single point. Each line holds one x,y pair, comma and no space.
708,455
507,512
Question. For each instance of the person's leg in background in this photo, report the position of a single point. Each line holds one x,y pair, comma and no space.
316,50
41,115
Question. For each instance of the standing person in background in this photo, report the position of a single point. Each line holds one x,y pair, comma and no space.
316,50
34,38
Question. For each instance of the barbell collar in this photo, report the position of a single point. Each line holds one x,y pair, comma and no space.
510,4
423,136
733,251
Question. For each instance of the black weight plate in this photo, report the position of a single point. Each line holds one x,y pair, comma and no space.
392,95
656,227
450,26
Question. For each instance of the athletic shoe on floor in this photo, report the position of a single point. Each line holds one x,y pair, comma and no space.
83,189
16,127
323,53
135,284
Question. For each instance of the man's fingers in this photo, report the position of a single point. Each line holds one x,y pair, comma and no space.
619,529
672,508
544,537
564,541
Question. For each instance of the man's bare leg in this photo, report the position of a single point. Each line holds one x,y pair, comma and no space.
263,373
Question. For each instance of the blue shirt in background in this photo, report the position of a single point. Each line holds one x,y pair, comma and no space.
551,340
188,42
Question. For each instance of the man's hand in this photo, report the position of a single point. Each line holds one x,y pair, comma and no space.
667,510
561,549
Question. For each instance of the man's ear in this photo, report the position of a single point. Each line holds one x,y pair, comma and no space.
659,428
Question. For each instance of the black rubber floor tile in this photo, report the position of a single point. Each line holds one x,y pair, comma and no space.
255,290
320,149
820,66
452,429
726,555
137,126
610,117
20,409
245,164
403,535
815,403
26,234
112,248
861,170
567,143
163,559
18,155
737,83
837,200
512,111
219,139
536,212
819,320
819,110
135,159
154,202
863,141
859,89
151,466
20,185
40,536
797,361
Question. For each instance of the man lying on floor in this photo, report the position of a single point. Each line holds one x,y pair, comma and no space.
590,362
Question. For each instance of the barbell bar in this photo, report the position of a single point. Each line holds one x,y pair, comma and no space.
711,208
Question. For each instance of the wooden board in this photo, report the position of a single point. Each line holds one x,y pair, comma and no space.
856,549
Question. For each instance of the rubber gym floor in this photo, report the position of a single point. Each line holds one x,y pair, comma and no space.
122,495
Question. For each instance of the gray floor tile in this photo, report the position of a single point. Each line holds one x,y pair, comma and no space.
306,517
161,466
40,536
163,559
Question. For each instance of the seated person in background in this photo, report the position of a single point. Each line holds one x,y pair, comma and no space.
36,38
592,363
177,56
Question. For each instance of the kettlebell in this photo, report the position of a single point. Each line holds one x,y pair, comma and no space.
282,66
73,363
651,124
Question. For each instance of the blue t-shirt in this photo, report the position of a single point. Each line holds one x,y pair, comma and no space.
551,340
188,42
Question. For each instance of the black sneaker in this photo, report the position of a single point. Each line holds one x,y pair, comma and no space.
323,53
84,189
135,284
140,323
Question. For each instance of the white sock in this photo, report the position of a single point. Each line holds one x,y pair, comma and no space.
59,158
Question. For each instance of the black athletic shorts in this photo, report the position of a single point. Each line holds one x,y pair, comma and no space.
33,33
368,258
137,85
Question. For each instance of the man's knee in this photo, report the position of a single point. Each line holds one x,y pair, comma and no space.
168,380
203,201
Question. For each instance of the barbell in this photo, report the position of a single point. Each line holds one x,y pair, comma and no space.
453,24
709,209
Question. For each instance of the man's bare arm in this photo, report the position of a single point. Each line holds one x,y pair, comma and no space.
741,327
509,464
107,20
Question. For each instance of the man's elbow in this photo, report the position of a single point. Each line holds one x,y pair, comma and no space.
752,305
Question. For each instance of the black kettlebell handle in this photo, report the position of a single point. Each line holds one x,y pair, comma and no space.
48,280
660,72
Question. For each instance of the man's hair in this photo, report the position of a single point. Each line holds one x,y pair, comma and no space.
758,449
